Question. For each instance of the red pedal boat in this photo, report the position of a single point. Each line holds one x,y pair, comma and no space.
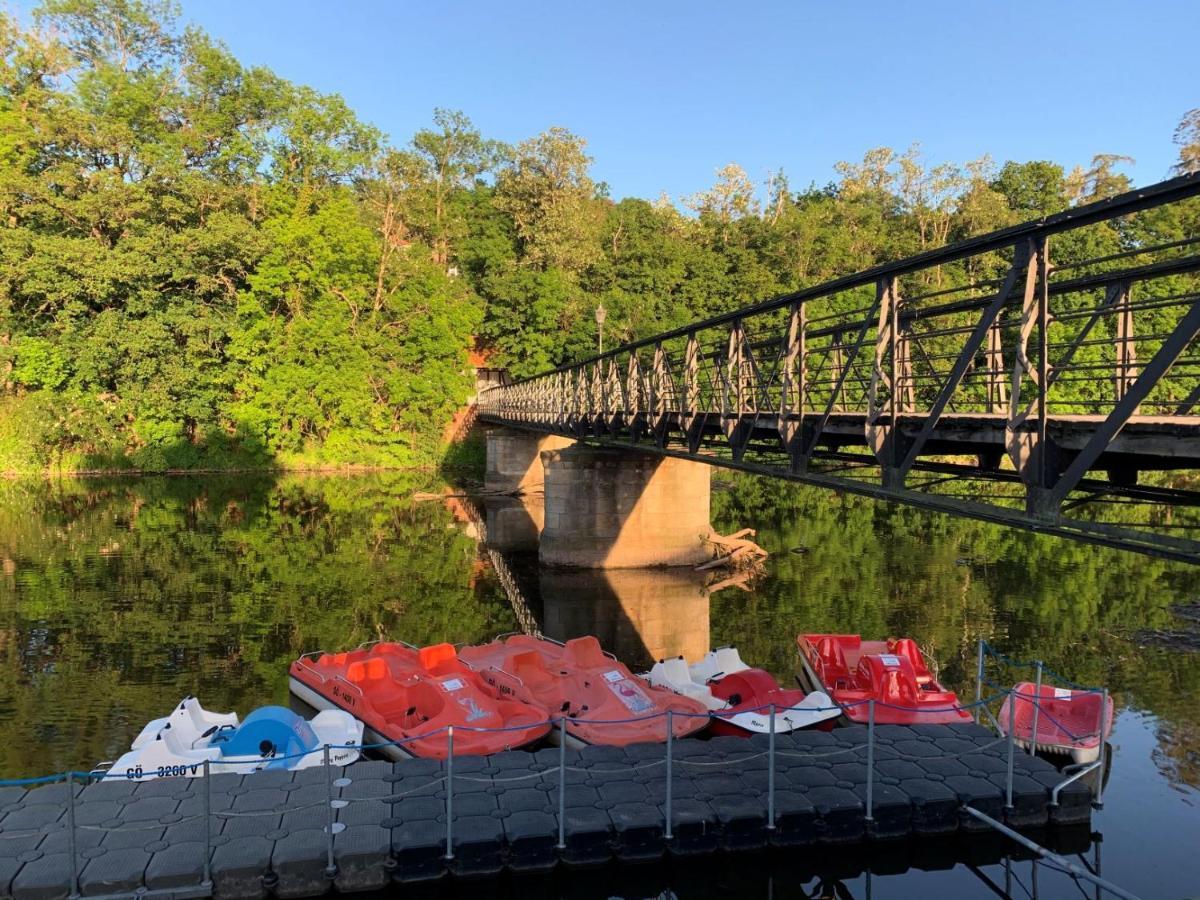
892,673
400,693
1068,722
604,702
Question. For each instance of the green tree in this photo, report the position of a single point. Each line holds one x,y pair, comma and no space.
551,197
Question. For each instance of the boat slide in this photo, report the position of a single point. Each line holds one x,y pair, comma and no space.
739,697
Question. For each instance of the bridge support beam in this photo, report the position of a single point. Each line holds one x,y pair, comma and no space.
618,509
514,459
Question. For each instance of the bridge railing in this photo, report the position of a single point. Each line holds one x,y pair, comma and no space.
1029,349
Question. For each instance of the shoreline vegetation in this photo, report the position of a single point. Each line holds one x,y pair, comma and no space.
206,267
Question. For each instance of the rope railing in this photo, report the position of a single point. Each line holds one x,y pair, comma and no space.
444,781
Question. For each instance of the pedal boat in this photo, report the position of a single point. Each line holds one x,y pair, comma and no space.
271,737
602,701
407,697
1069,722
740,697
893,673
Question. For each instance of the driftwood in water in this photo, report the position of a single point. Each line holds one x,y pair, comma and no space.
734,550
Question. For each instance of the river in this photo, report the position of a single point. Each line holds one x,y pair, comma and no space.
120,595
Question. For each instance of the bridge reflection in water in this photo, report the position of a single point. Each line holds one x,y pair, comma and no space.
639,615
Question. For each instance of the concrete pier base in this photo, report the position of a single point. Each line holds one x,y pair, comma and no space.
514,458
616,509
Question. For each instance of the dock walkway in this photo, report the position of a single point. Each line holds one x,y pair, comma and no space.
269,832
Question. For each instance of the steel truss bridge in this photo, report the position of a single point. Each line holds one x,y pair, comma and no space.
981,379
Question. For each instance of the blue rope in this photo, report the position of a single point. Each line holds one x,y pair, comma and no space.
23,782
1032,664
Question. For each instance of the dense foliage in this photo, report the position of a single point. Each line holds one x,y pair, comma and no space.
202,264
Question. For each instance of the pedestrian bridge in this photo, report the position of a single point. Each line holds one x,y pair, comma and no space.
1044,376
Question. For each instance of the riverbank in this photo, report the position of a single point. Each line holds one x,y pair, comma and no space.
451,458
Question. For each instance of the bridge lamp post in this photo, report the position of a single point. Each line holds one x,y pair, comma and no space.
601,315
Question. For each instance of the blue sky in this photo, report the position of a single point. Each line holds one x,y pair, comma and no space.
666,92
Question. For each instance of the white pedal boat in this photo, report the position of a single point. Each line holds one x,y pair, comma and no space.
271,737
739,697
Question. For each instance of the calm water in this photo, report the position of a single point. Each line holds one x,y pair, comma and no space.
117,597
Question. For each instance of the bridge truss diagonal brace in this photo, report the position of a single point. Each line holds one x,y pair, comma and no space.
793,393
1030,451
835,396
882,438
1023,266
1158,366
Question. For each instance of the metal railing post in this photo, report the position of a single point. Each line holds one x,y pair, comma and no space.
450,792
771,772
670,784
330,813
1012,743
1098,803
1037,708
871,760
71,834
207,825
562,785
979,682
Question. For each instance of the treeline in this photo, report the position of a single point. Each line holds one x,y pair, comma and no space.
203,264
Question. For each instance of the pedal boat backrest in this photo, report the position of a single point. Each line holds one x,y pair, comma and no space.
439,659
891,678
908,648
835,673
717,664
585,653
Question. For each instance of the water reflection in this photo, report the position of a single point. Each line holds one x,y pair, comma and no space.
639,614
118,596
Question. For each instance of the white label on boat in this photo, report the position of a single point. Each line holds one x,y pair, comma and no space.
1062,694
891,662
453,684
613,676
630,694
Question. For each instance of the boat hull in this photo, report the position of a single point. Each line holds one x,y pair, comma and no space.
1068,722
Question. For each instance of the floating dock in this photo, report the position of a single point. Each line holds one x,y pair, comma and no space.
270,834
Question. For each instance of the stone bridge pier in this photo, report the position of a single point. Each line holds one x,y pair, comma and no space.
606,508
514,459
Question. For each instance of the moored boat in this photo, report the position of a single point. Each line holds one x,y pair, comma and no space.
739,697
893,673
1068,722
602,701
271,737
408,697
